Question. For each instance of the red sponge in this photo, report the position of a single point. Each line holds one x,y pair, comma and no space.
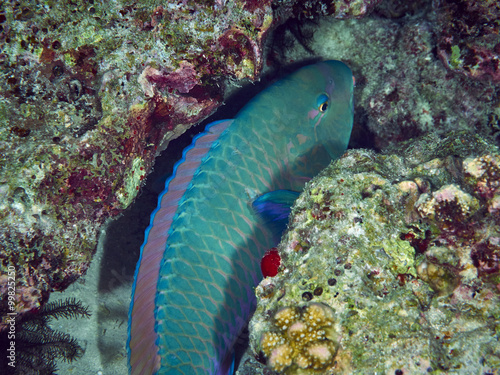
270,263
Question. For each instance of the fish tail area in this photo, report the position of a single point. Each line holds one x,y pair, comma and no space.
211,264
143,355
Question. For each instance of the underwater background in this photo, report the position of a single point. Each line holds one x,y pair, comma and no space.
399,239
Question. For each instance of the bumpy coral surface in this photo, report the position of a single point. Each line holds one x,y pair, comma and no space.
340,9
404,248
302,339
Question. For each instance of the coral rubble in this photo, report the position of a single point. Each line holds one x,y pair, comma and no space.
404,248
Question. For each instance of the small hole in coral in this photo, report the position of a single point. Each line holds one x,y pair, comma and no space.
318,291
307,296
57,70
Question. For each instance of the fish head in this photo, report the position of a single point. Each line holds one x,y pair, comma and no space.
331,106
315,109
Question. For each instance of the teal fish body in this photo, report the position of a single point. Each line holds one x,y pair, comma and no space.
199,264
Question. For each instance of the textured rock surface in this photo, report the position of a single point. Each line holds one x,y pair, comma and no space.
468,38
340,9
404,247
409,92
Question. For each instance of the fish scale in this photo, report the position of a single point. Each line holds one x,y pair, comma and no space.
211,241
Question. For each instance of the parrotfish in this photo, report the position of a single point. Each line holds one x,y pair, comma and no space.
224,206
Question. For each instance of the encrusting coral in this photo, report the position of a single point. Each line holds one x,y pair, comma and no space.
448,205
302,339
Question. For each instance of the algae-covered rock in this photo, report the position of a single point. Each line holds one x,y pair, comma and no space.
420,86
404,248
468,41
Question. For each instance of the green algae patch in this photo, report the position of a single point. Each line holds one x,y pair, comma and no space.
133,181
402,254
455,60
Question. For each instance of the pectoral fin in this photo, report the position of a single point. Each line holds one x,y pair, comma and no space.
273,209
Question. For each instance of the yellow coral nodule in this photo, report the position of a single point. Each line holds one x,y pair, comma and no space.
297,331
269,341
284,317
301,339
319,314
321,352
281,357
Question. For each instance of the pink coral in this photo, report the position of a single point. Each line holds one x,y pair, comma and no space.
183,79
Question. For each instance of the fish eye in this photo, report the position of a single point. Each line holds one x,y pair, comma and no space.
322,102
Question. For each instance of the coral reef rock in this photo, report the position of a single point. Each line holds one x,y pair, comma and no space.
468,37
412,91
341,9
400,252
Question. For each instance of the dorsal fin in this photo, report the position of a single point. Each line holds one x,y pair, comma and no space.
143,357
